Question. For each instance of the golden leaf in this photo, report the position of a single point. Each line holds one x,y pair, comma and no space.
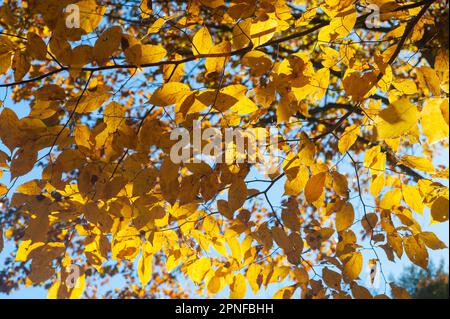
397,119
202,42
345,217
198,269
353,266
238,287
315,187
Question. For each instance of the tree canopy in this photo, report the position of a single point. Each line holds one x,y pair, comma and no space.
93,89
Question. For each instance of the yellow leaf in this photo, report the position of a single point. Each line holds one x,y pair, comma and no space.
114,117
340,184
432,241
405,86
285,293
32,187
6,50
339,5
377,184
281,238
315,187
36,46
238,287
331,58
283,111
218,64
306,17
258,62
52,292
343,23
145,264
420,163
413,198
441,65
82,136
156,26
396,242
348,138
241,34
174,72
90,14
220,101
170,93
345,217
5,61
331,278
359,86
262,31
416,251
397,119
169,180
254,277
25,248
107,44
428,78
90,101
9,129
307,150
391,199
327,35
20,65
244,105
375,160
235,248
369,221
434,125
360,292
439,209
126,244
319,84
3,189
296,180
399,293
141,54
80,56
353,266
237,195
215,284
23,161
213,3
202,42
198,269
146,9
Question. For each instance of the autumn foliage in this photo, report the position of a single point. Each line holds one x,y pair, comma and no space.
87,112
